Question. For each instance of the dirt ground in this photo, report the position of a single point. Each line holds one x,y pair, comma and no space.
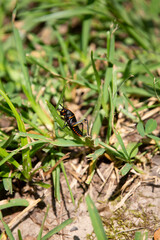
126,204
138,206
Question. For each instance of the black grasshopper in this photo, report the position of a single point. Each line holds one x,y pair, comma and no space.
71,121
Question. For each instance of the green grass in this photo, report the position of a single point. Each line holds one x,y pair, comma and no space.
103,51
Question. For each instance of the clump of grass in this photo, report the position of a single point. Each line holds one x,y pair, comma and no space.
101,52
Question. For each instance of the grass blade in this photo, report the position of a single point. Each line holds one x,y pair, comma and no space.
109,70
98,80
8,231
65,14
7,184
57,184
25,153
57,229
42,226
118,136
14,203
4,154
20,235
96,221
65,175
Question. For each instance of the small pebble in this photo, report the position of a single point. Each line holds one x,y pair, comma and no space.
73,229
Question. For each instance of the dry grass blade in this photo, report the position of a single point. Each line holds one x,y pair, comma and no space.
150,113
57,163
109,171
132,190
21,215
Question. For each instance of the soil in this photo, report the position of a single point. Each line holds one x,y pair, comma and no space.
126,204
139,212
